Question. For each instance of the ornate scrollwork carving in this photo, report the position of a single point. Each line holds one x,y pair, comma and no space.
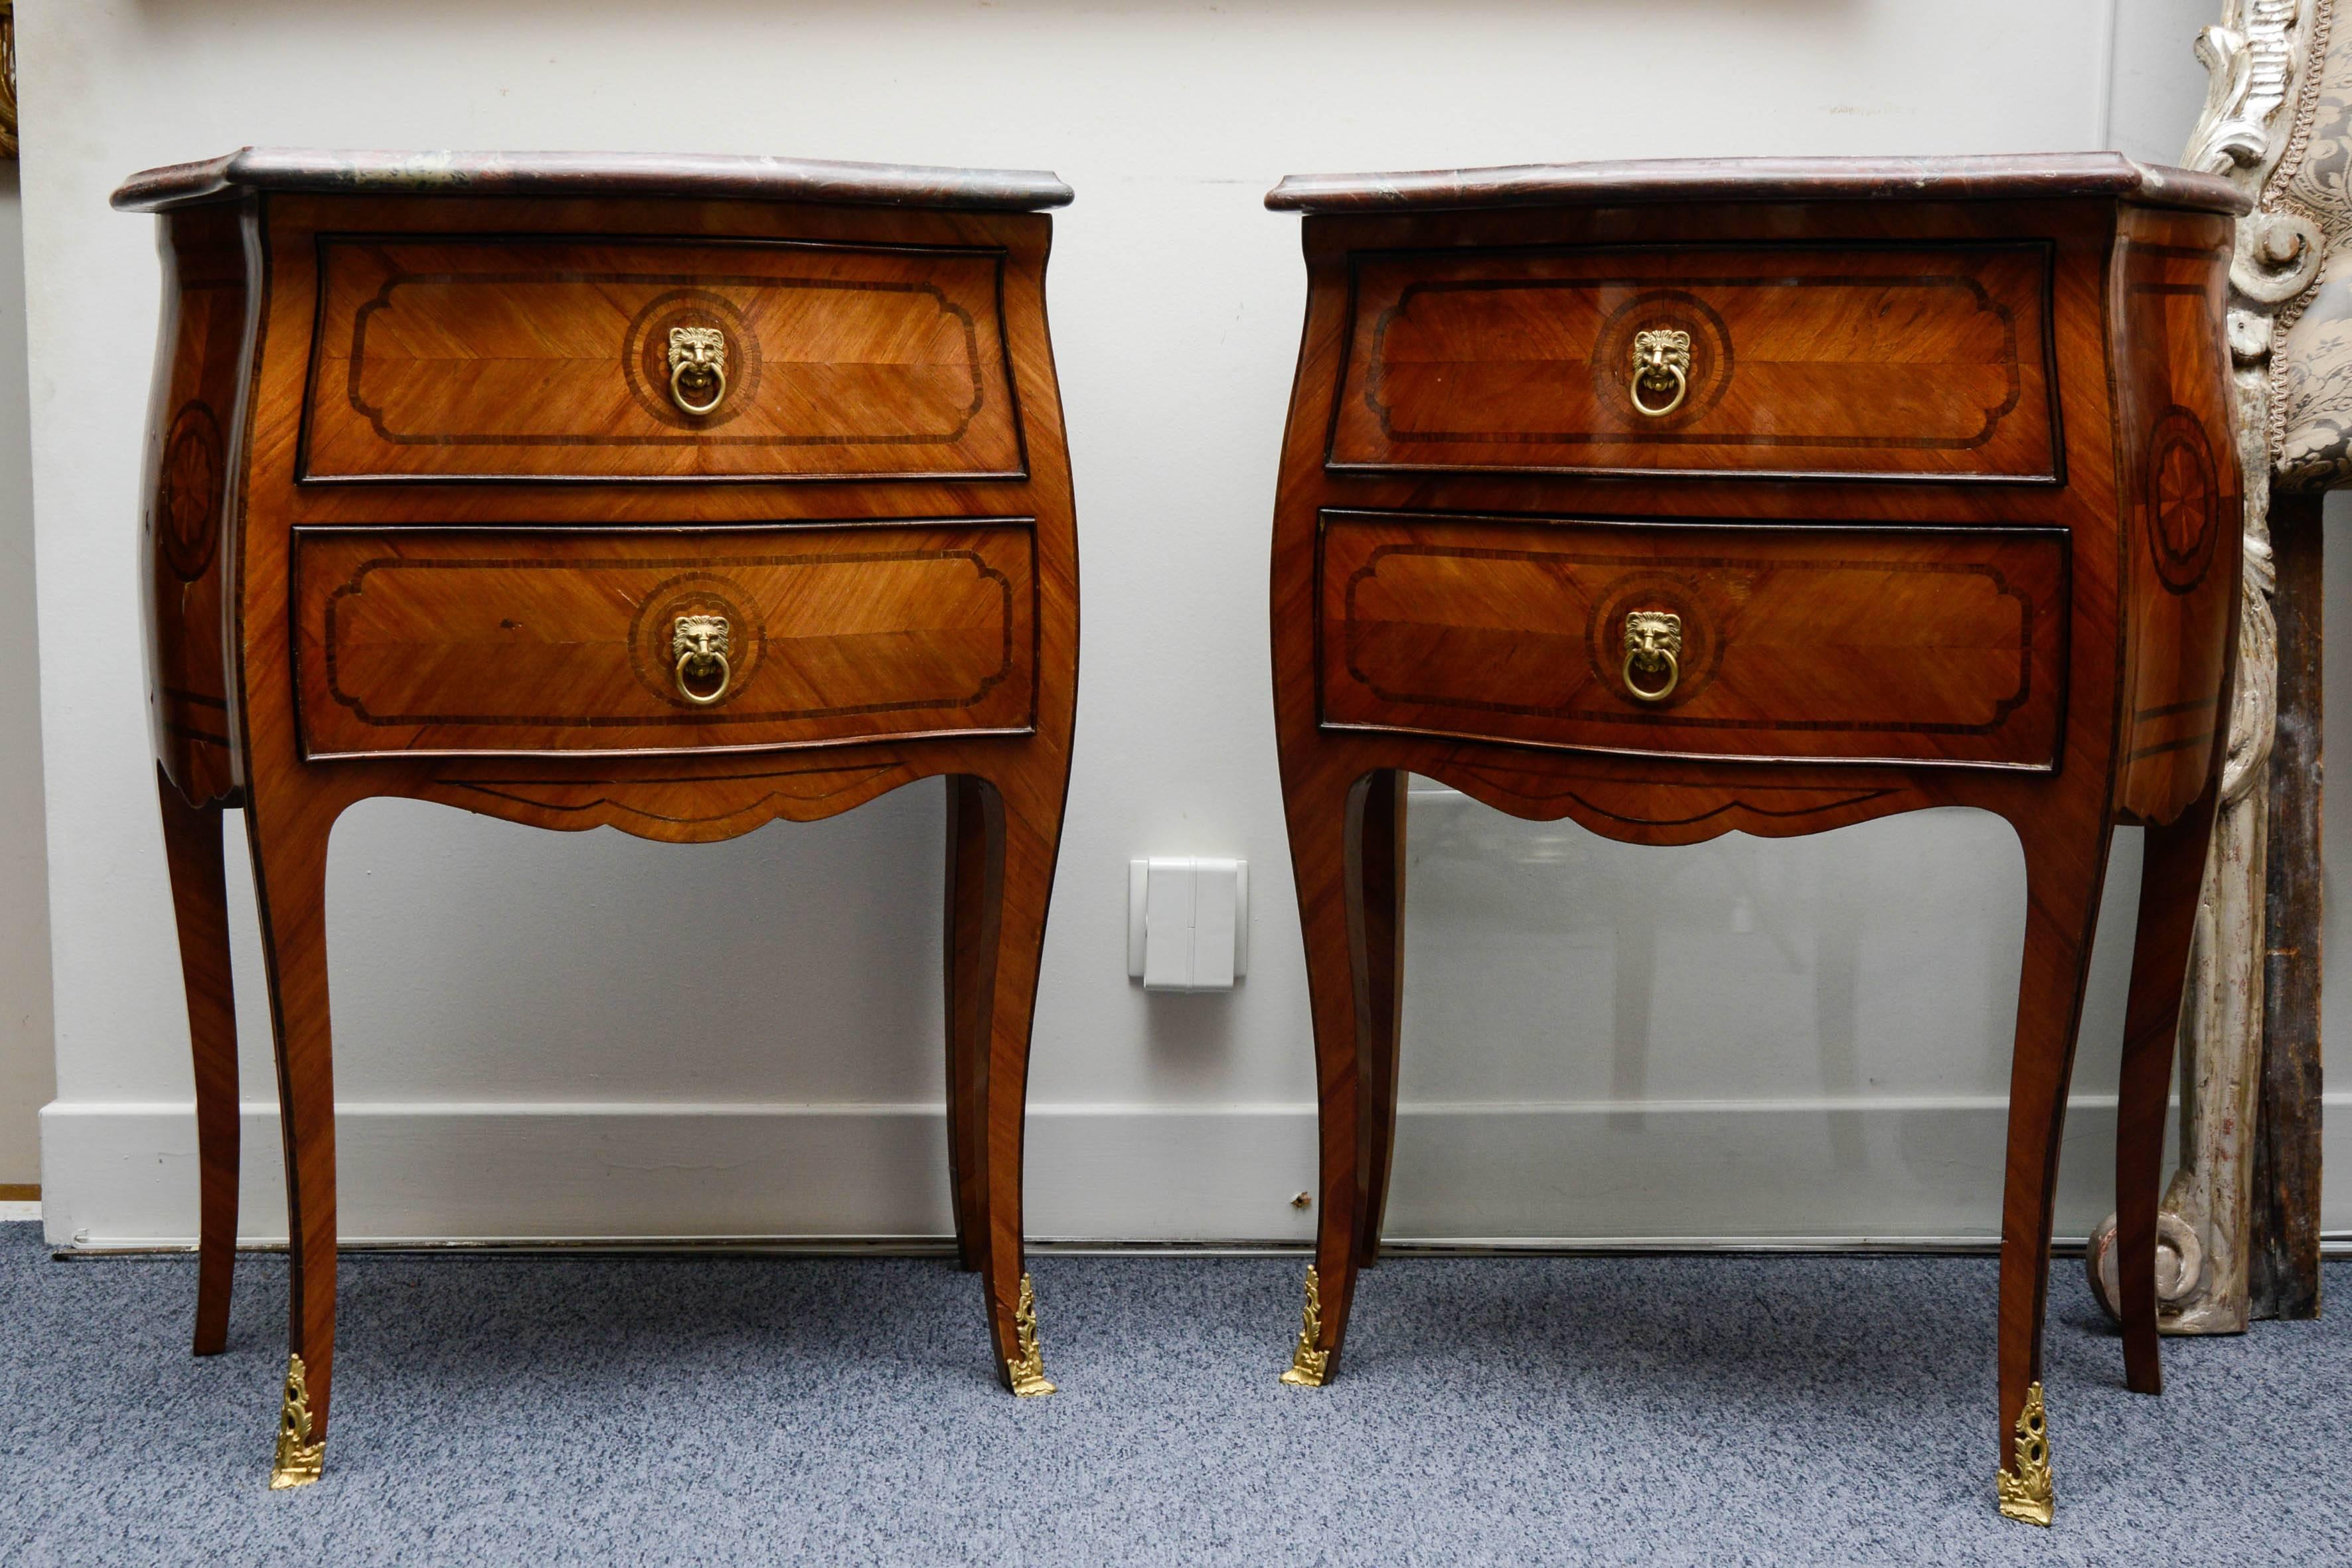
2278,123
2308,418
2249,67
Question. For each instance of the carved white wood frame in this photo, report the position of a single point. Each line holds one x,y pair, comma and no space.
2278,121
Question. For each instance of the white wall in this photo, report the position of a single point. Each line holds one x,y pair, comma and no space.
25,1080
542,1035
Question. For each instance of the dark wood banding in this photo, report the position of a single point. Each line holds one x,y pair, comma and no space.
383,173
1762,179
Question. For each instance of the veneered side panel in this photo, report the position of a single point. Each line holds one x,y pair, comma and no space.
2183,504
182,511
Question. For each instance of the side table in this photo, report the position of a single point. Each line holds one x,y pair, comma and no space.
666,493
1767,495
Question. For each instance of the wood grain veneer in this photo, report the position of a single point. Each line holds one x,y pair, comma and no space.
459,332
1877,615
546,359
1802,644
499,640
1899,361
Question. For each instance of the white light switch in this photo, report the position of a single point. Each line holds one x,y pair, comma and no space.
1167,902
1187,923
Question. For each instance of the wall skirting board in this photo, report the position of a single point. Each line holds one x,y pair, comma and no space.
1917,1172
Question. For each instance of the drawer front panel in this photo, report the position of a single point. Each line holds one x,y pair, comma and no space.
1797,643
553,359
567,640
1795,360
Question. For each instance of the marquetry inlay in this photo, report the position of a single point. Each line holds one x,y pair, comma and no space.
1862,360
546,357
188,494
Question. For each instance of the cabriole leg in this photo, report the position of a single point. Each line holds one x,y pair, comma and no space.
975,880
1381,876
192,850
1327,850
290,858
2062,877
1022,832
2172,873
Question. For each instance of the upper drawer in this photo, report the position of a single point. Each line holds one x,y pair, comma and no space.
1792,643
583,358
1878,362
627,639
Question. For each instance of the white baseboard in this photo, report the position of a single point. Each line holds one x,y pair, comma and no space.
1927,1171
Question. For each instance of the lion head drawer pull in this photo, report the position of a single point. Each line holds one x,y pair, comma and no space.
698,644
1662,360
1654,645
697,365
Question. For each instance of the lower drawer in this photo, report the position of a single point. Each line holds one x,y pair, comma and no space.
1798,643
522,640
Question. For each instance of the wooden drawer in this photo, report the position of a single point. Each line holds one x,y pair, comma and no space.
525,640
1929,362
1802,643
548,358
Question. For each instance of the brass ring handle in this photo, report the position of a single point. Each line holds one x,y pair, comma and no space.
726,674
1682,390
1639,693
1660,353
699,643
1653,643
703,350
717,373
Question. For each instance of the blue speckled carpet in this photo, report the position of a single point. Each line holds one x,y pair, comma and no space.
1708,1410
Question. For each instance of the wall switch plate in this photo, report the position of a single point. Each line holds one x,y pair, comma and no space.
1187,923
